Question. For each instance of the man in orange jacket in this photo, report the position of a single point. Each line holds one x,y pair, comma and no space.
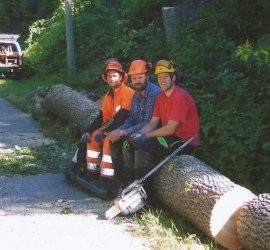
113,113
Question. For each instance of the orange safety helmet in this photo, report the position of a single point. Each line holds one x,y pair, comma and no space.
139,67
112,64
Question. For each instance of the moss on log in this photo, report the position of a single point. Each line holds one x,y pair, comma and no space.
205,197
253,223
70,105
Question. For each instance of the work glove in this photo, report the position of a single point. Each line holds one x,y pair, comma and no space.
99,137
137,139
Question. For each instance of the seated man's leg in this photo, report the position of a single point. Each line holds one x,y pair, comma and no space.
117,160
143,163
128,163
93,157
107,172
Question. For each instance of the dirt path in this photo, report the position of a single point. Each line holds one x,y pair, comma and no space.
31,206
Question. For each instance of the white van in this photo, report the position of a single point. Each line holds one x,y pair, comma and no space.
10,55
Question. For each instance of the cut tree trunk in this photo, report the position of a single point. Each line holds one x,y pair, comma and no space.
210,201
71,106
253,223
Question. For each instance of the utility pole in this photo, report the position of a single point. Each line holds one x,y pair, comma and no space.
70,41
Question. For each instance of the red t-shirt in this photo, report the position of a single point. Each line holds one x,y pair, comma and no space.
179,106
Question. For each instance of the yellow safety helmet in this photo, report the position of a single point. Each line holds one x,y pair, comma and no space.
164,66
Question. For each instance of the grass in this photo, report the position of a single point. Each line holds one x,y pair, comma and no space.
36,160
165,230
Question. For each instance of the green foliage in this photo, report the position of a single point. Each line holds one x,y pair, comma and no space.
99,33
141,13
224,55
17,15
231,85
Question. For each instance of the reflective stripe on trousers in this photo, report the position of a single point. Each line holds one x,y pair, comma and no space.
93,157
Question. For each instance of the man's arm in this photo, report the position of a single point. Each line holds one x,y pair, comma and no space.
151,125
118,120
95,124
166,130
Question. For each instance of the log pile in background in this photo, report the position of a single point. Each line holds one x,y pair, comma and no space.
70,105
228,213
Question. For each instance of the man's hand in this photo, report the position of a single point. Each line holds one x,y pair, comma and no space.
137,139
114,135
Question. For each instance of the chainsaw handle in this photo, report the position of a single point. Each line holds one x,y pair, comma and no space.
130,187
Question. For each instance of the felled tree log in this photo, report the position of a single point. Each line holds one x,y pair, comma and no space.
253,223
209,200
70,105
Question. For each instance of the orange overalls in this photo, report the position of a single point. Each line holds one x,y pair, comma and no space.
98,155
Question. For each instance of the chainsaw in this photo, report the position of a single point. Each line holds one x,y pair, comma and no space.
133,197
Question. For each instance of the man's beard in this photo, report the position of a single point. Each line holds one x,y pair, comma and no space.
139,87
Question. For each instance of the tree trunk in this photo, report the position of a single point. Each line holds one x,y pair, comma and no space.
209,200
253,223
70,105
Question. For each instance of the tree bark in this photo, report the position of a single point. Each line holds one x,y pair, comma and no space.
70,105
210,201
253,223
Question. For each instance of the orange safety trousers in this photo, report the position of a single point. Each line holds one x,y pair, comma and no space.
98,156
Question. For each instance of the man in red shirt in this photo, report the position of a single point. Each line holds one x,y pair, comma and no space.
175,110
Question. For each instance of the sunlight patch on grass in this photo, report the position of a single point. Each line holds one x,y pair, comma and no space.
150,224
27,160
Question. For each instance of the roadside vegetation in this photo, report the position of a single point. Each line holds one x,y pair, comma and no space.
225,57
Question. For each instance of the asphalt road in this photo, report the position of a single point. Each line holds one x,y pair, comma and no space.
32,207
18,129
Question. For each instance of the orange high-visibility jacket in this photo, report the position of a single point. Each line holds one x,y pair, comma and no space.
115,100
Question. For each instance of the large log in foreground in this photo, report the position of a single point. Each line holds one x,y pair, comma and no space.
253,223
211,202
70,105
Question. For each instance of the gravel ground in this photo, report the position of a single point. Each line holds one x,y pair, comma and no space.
31,207
31,217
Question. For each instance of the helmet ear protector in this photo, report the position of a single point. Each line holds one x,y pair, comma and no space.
112,64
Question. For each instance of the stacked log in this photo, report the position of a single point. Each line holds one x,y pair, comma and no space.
72,106
220,208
